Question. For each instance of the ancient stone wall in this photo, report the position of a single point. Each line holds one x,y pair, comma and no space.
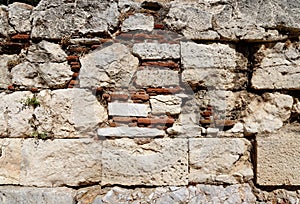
166,102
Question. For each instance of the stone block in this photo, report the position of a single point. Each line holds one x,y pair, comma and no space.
133,132
159,162
278,157
219,160
6,63
165,104
60,162
19,17
157,50
128,109
138,22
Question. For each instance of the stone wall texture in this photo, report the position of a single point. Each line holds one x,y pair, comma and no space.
150,102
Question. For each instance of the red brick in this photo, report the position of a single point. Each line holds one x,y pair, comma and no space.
75,75
169,64
75,68
164,90
206,113
143,97
72,58
34,89
93,47
225,123
73,82
20,37
106,96
112,124
106,40
206,122
124,119
144,121
79,49
11,88
115,96
158,26
149,121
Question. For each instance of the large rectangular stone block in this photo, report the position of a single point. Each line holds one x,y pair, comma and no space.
10,160
125,131
278,157
128,109
25,195
157,50
155,162
219,160
60,162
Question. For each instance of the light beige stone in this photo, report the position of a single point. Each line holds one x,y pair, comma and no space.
60,162
219,160
112,66
5,62
138,22
278,157
165,104
160,162
156,50
10,161
30,195
69,113
268,113
19,17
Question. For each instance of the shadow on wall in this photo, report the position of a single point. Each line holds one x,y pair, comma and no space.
31,2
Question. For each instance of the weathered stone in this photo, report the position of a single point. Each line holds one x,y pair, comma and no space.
219,160
157,50
69,113
45,75
3,21
269,115
46,52
19,17
278,68
128,109
213,65
160,162
165,104
10,161
125,131
233,20
58,19
155,77
15,114
111,66
278,157
61,162
138,22
277,196
27,195
6,62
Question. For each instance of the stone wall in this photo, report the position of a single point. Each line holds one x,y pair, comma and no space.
166,101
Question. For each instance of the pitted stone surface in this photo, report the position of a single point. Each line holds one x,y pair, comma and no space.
157,50
128,109
169,104
269,115
69,113
278,68
219,160
157,77
30,195
133,132
108,67
278,157
10,161
160,162
138,22
4,20
60,162
15,115
5,62
58,19
19,17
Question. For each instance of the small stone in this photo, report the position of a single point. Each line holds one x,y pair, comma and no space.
157,50
165,104
138,21
128,109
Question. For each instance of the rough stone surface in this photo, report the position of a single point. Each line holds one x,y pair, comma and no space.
15,114
55,19
233,20
128,109
269,115
157,50
169,104
278,68
278,157
70,162
111,66
19,17
4,21
10,161
5,61
160,162
69,113
157,77
125,131
213,65
27,195
177,195
138,22
216,160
